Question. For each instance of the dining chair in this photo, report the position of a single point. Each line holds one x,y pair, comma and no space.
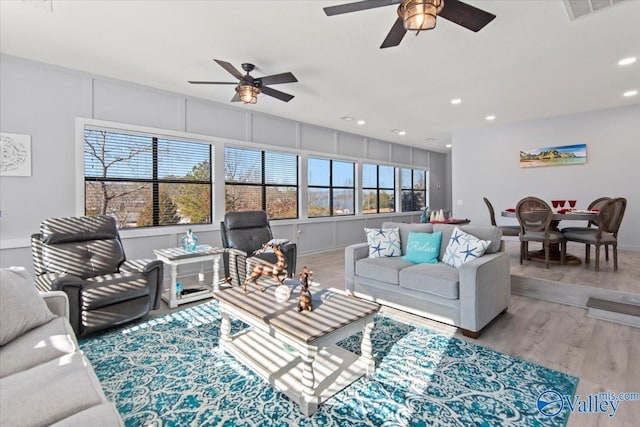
609,220
597,204
535,216
507,230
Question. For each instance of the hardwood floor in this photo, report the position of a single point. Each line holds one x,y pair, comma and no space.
605,356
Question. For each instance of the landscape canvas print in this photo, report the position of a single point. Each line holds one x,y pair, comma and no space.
554,156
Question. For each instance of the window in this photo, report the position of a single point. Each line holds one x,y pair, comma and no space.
378,188
414,189
145,180
261,180
331,188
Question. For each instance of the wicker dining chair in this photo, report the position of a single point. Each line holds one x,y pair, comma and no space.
609,220
535,216
507,230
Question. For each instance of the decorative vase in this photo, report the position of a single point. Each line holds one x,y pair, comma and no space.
424,217
283,293
189,241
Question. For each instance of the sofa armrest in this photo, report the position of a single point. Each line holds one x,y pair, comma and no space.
57,302
352,254
485,290
143,266
153,270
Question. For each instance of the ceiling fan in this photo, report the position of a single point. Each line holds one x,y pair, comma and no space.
248,87
419,15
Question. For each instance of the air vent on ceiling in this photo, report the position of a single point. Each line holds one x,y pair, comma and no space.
579,8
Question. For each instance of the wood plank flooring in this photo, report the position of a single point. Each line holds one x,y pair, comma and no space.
604,355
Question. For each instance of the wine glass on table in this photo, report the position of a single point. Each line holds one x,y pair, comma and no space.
572,204
555,204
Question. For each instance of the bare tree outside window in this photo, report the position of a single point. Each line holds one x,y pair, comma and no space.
144,180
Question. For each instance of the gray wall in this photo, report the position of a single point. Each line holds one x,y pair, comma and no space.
486,163
44,101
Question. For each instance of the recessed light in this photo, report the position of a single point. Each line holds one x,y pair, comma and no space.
627,61
402,132
630,93
491,117
448,145
347,118
456,101
360,122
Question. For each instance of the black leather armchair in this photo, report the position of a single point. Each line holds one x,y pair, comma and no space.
242,234
84,257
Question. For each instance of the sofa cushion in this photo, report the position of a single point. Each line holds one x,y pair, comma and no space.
49,392
21,306
423,247
104,415
463,247
113,288
39,345
436,279
382,269
405,229
86,259
383,242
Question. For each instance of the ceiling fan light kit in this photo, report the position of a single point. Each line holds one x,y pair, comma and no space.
248,94
419,15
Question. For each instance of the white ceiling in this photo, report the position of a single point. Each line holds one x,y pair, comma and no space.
531,62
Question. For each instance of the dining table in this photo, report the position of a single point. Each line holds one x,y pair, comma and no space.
554,248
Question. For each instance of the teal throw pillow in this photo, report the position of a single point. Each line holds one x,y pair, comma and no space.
423,247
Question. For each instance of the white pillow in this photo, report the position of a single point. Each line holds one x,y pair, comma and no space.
383,242
21,306
463,247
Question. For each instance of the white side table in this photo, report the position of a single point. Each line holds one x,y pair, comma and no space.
174,257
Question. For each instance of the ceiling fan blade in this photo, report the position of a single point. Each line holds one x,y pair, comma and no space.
466,15
278,78
357,6
230,68
236,98
395,35
276,94
212,83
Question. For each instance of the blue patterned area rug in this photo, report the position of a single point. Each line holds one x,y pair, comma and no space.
168,371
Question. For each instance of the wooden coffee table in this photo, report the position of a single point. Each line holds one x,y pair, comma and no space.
296,352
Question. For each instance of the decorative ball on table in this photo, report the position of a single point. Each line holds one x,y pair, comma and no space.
283,293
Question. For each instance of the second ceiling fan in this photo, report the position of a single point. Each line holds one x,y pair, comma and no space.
419,15
248,87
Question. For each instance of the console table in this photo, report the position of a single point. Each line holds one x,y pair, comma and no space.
294,351
173,257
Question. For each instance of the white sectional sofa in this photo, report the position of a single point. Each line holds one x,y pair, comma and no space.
45,380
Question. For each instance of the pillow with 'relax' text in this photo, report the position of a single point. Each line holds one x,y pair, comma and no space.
423,248
463,247
383,242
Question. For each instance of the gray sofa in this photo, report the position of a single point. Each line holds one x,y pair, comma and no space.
44,377
468,297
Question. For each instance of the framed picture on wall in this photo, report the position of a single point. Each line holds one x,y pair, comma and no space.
554,156
16,154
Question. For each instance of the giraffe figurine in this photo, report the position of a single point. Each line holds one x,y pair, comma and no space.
304,300
267,270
